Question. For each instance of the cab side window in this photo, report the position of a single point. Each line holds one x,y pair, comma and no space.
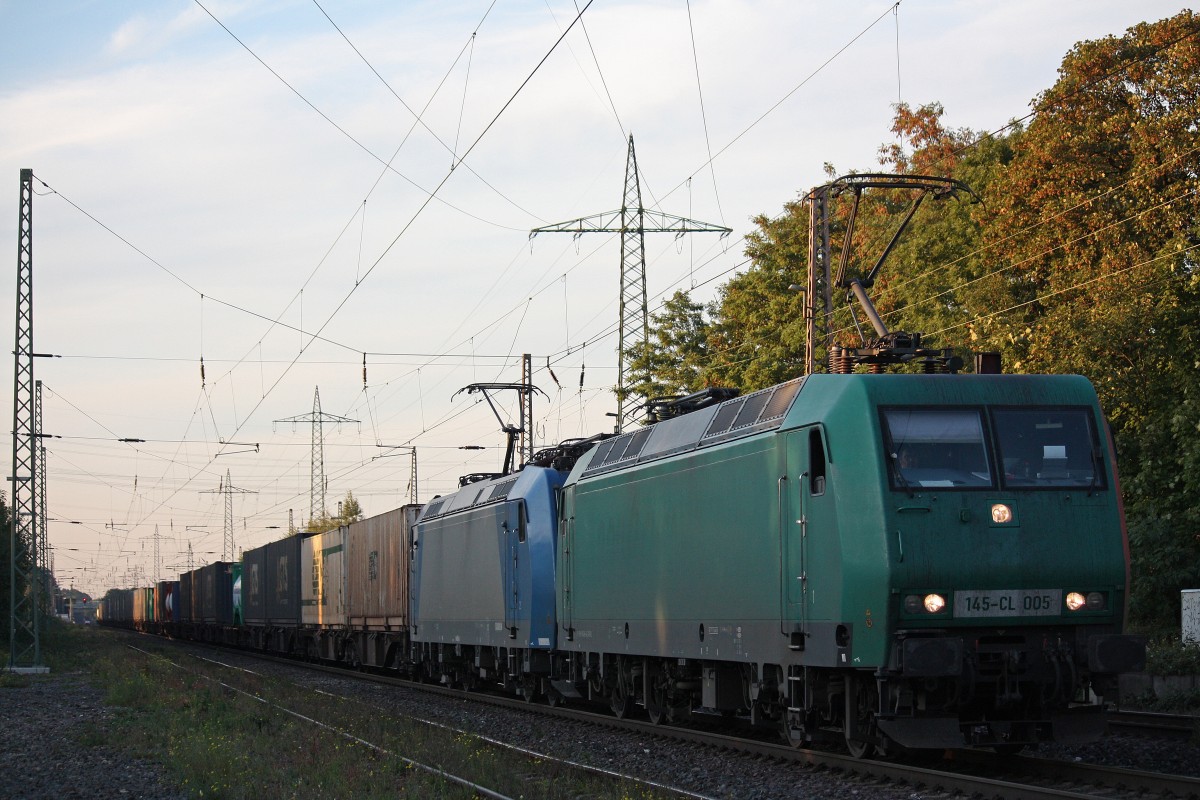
816,466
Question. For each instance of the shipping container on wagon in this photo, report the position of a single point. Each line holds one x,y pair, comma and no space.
143,606
323,579
186,597
118,607
173,602
271,582
162,590
377,569
215,594
166,598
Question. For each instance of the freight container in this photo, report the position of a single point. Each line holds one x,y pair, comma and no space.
377,564
271,582
323,579
143,607
165,599
184,606
377,569
323,596
118,607
271,594
216,593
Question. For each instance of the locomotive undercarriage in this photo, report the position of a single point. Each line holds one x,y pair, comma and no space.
1001,689
520,671
973,689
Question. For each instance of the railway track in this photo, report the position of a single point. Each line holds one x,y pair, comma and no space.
969,773
1160,726
536,762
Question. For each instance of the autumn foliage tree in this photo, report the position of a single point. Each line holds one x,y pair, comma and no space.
1100,224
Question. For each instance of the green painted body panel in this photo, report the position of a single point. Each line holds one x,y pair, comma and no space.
736,538
694,555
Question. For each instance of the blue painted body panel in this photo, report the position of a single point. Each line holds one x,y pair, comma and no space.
483,564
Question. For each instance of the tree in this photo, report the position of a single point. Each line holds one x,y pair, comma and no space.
350,511
674,360
930,283
1101,227
758,328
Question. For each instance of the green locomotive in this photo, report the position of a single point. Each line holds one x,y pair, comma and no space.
929,560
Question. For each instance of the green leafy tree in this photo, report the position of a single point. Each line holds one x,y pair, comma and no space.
757,334
351,511
675,358
931,282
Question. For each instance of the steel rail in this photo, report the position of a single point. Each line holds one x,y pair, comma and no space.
1154,724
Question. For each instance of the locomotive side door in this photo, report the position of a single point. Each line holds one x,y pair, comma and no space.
566,532
513,528
804,489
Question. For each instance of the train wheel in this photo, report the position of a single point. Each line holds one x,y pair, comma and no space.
861,700
656,696
529,688
620,701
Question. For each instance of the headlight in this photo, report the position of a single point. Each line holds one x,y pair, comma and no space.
928,604
1092,601
1001,514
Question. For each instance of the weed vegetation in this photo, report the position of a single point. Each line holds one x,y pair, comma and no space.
224,734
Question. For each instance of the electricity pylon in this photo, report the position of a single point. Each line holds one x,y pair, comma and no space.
318,420
633,222
228,553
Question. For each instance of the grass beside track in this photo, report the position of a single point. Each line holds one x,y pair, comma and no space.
216,742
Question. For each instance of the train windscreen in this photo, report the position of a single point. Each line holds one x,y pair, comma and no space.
941,448
1048,448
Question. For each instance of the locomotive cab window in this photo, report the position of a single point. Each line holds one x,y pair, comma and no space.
936,448
1048,448
816,466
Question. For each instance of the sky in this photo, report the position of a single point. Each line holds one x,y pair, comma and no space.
279,190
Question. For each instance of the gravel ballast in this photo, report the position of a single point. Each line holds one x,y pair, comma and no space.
53,744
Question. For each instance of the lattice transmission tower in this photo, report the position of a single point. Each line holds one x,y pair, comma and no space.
228,553
318,419
158,565
633,221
